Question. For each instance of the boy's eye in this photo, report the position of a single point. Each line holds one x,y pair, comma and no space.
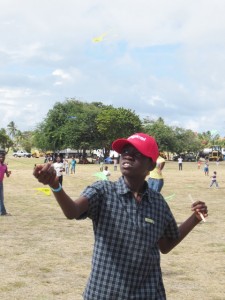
132,153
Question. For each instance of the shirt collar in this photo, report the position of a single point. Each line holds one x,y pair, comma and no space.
124,189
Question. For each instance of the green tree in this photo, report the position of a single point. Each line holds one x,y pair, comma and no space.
164,134
113,123
186,140
49,135
81,129
40,140
18,138
5,140
12,129
172,139
80,125
209,138
68,125
26,141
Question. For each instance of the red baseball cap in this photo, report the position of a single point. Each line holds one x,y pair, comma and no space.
144,143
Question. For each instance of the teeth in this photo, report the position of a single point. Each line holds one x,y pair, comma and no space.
126,164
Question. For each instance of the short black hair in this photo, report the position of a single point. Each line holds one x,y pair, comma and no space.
2,152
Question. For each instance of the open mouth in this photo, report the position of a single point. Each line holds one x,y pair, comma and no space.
126,164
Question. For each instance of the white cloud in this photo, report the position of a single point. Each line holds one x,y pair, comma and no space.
61,74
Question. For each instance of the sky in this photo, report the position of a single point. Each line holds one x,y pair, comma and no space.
158,58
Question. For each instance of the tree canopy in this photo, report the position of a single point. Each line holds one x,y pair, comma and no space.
5,140
80,125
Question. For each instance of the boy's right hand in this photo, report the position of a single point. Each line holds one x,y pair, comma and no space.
46,174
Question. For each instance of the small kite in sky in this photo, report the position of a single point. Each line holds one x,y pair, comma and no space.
99,38
46,191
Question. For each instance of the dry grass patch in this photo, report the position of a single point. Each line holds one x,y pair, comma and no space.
45,256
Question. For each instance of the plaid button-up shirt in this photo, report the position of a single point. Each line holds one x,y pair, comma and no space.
126,258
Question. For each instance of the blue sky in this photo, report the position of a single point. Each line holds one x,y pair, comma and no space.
159,58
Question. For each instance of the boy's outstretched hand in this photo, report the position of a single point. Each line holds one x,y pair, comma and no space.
200,209
45,174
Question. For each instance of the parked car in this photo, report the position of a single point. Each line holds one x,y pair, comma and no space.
21,153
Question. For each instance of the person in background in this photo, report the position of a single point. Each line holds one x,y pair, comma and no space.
180,163
106,172
217,161
199,164
59,168
115,163
3,170
73,165
206,167
131,223
101,166
66,166
156,180
214,180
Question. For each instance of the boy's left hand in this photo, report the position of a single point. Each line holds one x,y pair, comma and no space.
199,207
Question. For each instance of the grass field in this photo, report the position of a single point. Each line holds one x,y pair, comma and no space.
44,256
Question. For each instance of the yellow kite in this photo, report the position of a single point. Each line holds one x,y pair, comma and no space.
46,191
99,38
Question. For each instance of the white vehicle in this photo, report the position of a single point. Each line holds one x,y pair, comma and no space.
21,153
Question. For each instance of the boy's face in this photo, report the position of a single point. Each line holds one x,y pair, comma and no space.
2,158
135,164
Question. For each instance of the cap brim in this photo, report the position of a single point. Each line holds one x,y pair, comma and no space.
118,145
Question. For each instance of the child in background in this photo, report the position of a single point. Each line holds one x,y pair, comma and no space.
66,166
217,162
206,168
59,168
214,181
73,165
106,172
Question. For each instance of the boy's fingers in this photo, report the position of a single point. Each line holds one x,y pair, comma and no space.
43,171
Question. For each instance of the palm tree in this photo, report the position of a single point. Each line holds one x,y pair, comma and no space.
12,130
18,138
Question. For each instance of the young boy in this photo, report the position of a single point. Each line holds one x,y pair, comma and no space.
214,181
59,168
3,171
106,172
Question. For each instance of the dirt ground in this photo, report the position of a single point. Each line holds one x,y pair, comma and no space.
44,256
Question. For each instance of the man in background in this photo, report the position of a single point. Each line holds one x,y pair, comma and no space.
155,180
3,170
